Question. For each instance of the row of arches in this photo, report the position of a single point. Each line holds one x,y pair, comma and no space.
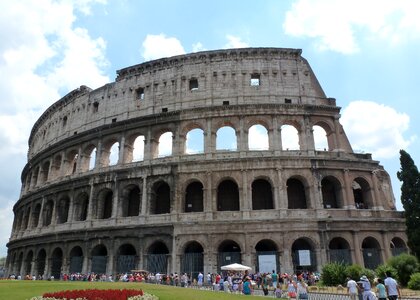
156,258
138,146
132,200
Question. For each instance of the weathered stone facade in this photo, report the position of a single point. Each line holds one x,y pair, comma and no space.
80,211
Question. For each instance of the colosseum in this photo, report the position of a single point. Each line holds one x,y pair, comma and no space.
188,163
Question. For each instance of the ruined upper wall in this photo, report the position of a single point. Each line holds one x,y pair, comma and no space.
201,79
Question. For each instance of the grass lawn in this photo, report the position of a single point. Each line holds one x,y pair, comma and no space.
24,289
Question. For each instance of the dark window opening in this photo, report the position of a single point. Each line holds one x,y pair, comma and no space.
140,93
262,195
194,197
329,193
296,194
288,101
165,109
255,80
65,121
225,102
227,196
114,120
193,84
95,106
161,202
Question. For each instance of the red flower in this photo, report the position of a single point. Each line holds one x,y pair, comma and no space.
95,294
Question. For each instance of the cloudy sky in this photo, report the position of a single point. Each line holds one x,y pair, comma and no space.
364,53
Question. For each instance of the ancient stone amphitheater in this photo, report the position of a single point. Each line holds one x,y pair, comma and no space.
188,163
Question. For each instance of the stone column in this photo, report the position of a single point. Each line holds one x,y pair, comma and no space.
336,137
357,254
209,139
54,213
41,214
286,262
71,208
274,137
386,246
144,196
115,197
110,259
147,156
376,199
99,155
244,201
282,196
348,195
121,150
90,213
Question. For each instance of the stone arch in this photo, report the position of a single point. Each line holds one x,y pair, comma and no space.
157,257
331,192
229,252
41,259
262,194
72,159
26,218
227,195
303,255
362,193
290,139
35,215
104,204
194,141
81,206
19,263
63,206
126,258
134,146
28,263
56,166
226,133
76,260
160,201
339,251
296,193
371,253
194,197
56,262
45,169
130,201
34,180
266,251
192,260
258,138
323,135
88,157
99,256
48,212
398,246
138,149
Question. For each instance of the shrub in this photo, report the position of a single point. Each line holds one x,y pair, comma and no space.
405,265
354,272
382,269
414,282
333,274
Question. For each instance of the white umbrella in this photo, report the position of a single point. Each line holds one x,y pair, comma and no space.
235,267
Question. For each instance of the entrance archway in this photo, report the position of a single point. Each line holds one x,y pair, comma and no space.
267,258
99,259
303,255
192,261
229,253
157,258
339,250
371,253
126,258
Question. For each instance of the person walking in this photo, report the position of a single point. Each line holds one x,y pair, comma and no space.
366,288
392,288
352,288
380,287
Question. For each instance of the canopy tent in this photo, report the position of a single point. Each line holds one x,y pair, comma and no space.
235,267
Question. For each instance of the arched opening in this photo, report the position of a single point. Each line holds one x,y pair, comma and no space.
114,152
192,261
398,246
371,253
72,159
81,206
138,148
161,198
63,210
35,215
226,139
229,253
267,258
26,218
320,138
104,207
362,193
48,210
296,194
157,258
56,263
99,259
194,197
126,258
92,159
195,141
331,192
56,166
227,196
131,200
289,138
303,256
76,260
45,172
339,250
165,144
258,138
262,195
28,263
19,263
40,262
35,177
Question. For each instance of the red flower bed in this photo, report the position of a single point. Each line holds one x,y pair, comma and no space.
95,294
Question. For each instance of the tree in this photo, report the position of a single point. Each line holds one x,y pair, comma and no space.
410,198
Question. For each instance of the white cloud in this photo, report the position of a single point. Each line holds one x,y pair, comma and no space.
340,25
159,46
45,56
235,42
375,128
198,47
258,138
165,144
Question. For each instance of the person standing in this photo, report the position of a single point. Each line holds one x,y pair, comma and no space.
274,278
392,288
381,290
352,288
366,287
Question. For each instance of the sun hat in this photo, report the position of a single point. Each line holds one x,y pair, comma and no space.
363,278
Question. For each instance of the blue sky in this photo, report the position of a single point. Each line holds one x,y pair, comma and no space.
364,53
